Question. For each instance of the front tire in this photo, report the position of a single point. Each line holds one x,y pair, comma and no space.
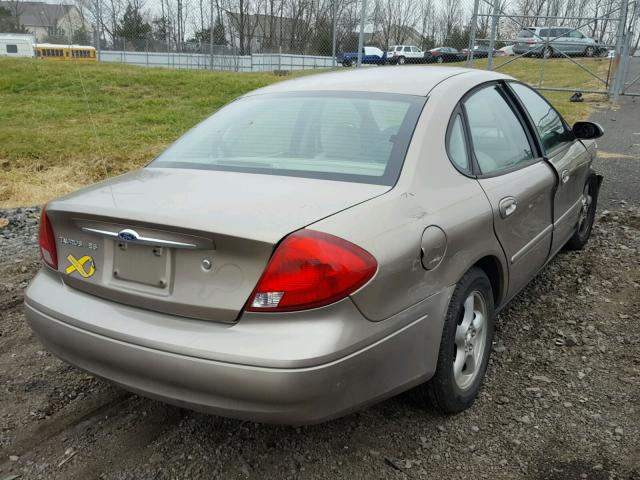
587,215
465,345
440,60
547,52
590,52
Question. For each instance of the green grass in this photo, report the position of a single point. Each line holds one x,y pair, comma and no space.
64,125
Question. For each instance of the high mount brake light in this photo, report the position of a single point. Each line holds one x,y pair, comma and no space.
47,241
311,269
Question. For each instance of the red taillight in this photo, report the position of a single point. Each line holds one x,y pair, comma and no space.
310,269
47,241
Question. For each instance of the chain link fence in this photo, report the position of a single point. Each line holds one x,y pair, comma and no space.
591,41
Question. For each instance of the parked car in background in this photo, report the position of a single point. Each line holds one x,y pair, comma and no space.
553,41
16,45
401,54
507,51
442,55
319,245
370,56
479,51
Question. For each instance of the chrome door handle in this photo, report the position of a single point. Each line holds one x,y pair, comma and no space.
565,176
507,206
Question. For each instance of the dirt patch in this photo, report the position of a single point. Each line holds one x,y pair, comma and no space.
561,401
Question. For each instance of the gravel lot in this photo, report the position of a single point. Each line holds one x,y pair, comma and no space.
562,399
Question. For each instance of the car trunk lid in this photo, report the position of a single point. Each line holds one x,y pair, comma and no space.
187,242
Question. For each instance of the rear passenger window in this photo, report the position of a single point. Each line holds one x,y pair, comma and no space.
552,130
499,139
456,146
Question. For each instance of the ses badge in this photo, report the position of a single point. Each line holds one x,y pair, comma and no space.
85,266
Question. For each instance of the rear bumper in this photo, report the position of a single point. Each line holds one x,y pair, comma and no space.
365,369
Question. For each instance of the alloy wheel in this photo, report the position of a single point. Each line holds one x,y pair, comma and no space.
470,340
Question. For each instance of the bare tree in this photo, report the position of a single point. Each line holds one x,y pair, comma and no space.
16,8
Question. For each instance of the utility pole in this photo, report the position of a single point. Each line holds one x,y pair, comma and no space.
333,30
98,24
492,38
211,36
361,35
179,25
472,33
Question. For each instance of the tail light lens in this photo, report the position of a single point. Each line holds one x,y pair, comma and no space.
310,269
47,241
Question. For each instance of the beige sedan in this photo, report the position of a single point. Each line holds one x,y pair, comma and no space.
318,245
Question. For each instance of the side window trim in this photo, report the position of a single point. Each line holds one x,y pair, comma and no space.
534,131
533,143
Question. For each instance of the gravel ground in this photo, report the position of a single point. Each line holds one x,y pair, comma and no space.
562,398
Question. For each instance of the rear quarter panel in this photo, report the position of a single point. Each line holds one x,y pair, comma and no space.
430,191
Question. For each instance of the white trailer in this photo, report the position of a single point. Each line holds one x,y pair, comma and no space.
16,44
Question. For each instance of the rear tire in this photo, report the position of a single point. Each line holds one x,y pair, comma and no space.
547,52
465,345
440,60
401,61
346,63
587,215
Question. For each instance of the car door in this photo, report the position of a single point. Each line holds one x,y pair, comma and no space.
579,41
564,42
517,181
568,156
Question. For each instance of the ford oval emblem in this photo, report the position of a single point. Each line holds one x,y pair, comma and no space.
128,235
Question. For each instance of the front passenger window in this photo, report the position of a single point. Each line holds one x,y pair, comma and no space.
499,139
551,129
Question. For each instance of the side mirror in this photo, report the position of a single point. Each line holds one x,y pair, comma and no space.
587,130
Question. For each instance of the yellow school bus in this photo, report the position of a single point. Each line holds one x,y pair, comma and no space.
65,53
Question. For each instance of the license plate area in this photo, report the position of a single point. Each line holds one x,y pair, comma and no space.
143,264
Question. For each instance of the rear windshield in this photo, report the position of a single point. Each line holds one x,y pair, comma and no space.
525,34
359,137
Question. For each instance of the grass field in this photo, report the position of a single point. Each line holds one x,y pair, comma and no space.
63,126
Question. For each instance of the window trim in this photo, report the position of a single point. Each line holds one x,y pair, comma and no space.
469,172
555,150
505,94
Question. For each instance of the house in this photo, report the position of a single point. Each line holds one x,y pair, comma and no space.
265,33
375,34
48,21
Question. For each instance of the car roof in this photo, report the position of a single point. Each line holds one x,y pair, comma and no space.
549,26
418,80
